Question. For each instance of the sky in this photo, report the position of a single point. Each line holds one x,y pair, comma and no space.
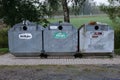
101,1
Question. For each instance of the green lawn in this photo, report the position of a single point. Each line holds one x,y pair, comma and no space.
78,21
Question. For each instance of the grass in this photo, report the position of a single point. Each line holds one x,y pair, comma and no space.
80,20
3,51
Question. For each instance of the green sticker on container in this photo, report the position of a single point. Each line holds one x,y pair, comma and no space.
60,35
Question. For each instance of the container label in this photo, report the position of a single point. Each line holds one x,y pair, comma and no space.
25,36
53,27
60,35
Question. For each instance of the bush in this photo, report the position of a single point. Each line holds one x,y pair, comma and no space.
112,10
117,38
117,51
3,51
4,38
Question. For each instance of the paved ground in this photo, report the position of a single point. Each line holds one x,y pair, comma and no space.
60,72
9,59
66,69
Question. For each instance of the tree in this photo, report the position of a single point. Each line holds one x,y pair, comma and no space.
66,11
77,5
64,4
14,11
112,10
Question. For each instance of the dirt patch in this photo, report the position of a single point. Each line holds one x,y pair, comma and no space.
57,72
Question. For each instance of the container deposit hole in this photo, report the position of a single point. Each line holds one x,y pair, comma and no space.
60,27
96,27
24,28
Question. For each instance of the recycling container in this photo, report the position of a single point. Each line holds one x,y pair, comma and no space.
60,39
96,37
25,39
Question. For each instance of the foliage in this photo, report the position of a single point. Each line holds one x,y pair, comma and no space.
117,51
14,11
3,38
76,4
55,4
89,7
3,50
112,10
52,6
44,22
117,38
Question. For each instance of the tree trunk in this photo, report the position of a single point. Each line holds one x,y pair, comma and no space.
65,11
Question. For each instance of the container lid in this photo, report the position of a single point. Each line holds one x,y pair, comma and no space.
27,26
60,26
